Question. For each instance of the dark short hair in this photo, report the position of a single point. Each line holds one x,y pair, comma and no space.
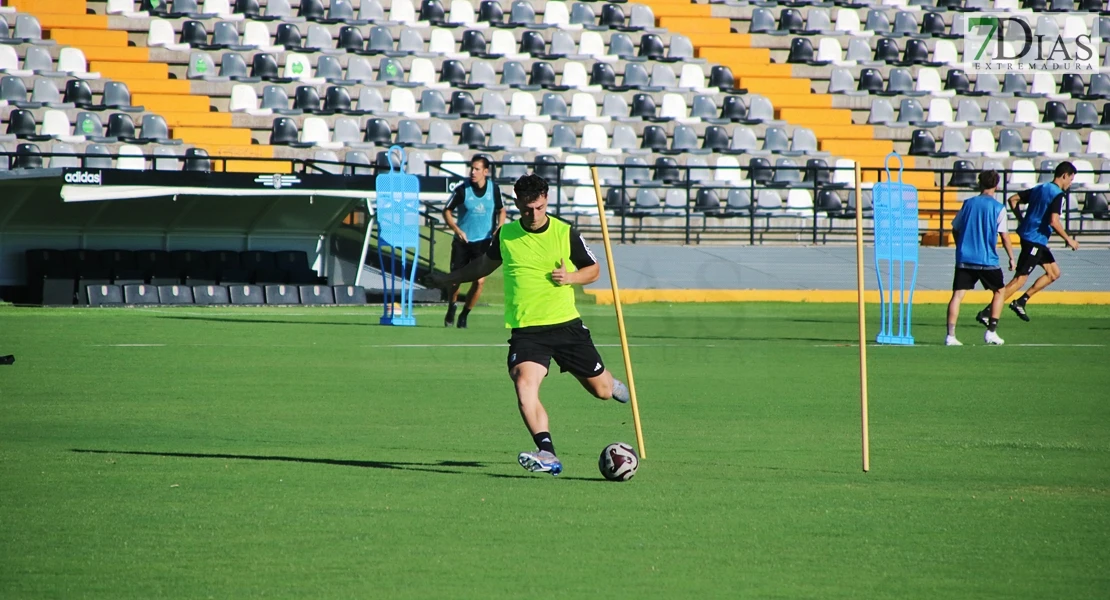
988,179
529,187
479,158
1064,168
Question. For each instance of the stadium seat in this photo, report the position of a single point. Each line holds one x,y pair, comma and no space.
140,294
245,294
351,294
104,295
282,294
210,294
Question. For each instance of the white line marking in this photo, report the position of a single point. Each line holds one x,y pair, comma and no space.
129,345
984,345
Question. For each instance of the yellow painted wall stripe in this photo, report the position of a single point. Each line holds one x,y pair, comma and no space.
605,296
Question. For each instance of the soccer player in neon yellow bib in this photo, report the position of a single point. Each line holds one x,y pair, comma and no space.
543,257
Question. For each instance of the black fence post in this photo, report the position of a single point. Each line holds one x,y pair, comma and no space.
687,167
941,240
813,204
751,209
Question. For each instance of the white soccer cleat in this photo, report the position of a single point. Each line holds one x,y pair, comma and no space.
992,339
951,340
620,391
540,461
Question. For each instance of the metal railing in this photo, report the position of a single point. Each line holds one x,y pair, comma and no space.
693,204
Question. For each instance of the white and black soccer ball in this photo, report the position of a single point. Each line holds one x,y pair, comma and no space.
618,462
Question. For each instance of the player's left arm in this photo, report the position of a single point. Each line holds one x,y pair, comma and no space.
588,269
1054,209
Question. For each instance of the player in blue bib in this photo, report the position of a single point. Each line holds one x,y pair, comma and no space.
480,212
1042,216
977,227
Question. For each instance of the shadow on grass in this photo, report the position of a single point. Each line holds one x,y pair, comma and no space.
442,466
255,320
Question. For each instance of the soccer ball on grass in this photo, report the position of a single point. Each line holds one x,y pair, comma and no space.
618,462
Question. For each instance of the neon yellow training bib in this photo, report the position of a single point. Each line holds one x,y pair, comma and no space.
531,297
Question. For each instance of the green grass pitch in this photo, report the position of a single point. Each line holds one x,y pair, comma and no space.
310,453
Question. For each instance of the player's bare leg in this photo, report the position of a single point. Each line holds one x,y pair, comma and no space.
452,298
527,377
1006,292
991,335
605,386
953,314
1051,274
471,301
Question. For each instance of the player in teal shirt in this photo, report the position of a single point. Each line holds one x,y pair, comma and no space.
978,225
480,212
1044,203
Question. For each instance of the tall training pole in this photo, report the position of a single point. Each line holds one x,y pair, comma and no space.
620,314
862,322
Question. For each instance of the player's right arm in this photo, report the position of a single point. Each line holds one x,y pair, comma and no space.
449,213
476,269
1018,199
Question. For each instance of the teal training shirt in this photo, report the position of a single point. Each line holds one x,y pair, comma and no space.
977,226
476,209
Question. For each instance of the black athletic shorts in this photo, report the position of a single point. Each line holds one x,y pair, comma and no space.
464,252
965,279
1033,255
568,343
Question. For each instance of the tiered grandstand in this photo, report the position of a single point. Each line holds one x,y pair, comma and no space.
735,121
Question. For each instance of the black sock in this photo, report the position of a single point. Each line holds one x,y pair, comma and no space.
543,442
1024,298
992,325
465,311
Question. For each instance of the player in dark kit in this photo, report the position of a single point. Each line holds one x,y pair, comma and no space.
480,212
1042,216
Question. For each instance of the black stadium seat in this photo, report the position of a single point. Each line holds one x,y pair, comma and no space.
349,294
350,39
490,11
306,98
282,294
140,294
721,77
316,294
210,294
105,295
922,143
175,294
602,74
246,294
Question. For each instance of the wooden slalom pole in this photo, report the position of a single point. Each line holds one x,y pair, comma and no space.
620,314
862,322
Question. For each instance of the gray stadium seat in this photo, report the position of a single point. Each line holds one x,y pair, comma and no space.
210,294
